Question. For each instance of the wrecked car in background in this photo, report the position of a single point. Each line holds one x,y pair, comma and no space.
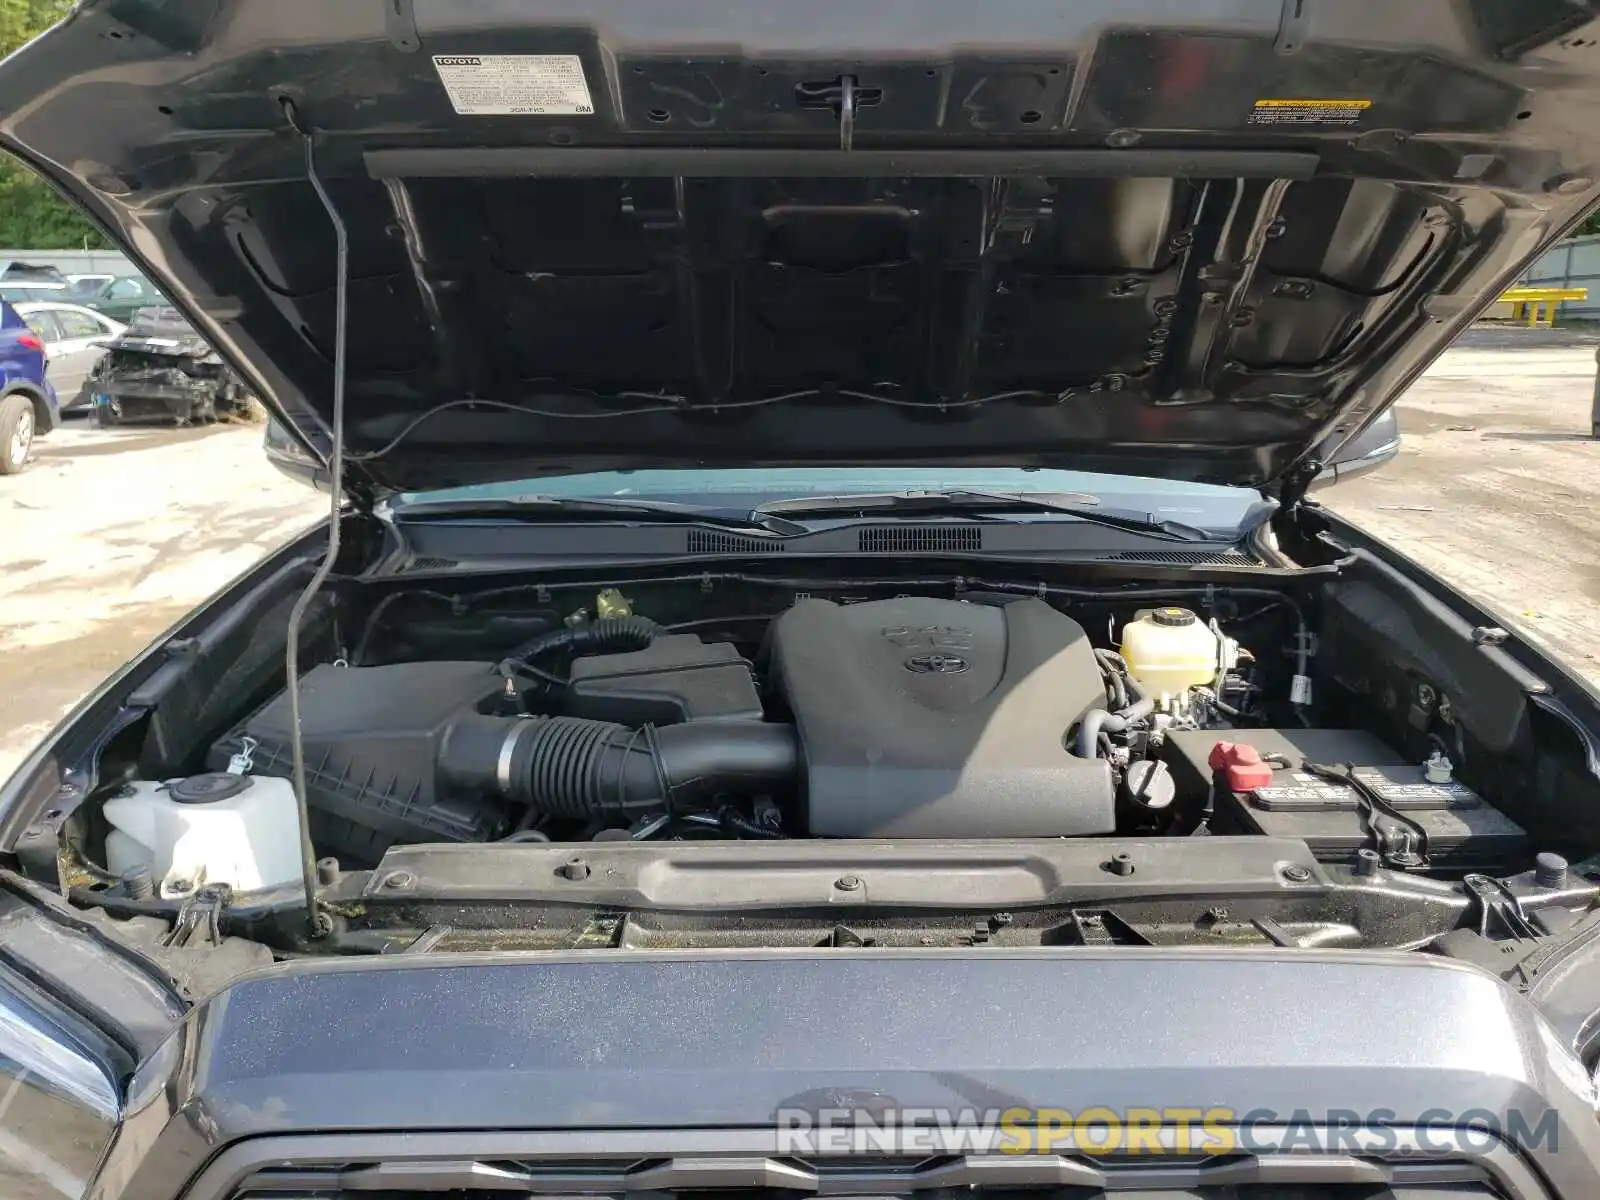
160,368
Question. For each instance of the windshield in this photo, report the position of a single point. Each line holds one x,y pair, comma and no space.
1206,506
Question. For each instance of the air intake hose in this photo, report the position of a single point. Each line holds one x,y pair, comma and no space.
570,767
608,635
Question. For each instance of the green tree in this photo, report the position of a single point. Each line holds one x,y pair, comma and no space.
32,215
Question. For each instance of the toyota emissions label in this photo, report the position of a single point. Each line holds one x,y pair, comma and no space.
510,85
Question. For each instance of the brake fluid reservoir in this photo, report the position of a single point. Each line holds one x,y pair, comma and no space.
1170,650
241,830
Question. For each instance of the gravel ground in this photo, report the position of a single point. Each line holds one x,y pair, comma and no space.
111,536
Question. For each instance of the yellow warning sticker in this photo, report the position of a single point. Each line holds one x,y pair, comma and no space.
1308,112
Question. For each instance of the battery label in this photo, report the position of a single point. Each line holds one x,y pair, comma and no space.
1403,788
1307,793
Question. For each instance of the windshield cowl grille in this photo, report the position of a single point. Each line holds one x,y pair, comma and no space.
1187,558
904,539
713,541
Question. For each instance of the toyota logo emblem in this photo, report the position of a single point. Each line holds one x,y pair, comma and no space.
936,664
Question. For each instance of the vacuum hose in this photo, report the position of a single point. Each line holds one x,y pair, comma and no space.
607,635
571,767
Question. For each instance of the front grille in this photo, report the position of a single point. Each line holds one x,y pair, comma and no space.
917,1161
1004,1177
905,539
712,541
770,1180
141,407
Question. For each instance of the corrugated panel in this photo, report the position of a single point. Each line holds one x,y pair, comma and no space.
904,539
1195,558
1573,263
711,541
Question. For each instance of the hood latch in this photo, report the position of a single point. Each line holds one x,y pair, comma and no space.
843,96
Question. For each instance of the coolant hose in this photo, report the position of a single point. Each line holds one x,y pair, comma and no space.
1116,673
1143,702
571,767
1097,720
607,635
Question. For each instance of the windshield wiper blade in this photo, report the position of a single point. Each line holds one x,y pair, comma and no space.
963,501
540,507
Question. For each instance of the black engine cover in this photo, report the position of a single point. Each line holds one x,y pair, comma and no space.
922,717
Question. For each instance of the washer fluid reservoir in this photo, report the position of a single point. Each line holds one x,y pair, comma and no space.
241,830
1170,650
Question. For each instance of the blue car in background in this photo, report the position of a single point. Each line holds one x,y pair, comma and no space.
28,406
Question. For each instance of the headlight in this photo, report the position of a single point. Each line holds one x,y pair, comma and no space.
58,1101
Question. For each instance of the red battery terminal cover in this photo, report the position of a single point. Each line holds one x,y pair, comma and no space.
1242,765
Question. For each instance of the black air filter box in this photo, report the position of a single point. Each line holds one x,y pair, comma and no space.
372,744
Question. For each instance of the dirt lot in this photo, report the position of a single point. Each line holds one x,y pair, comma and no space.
111,536
108,538
1497,487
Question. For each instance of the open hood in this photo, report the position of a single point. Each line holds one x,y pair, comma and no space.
1188,240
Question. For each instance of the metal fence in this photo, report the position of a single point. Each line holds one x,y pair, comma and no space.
1574,263
75,262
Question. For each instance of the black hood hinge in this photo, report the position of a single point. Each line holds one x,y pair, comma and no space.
1294,485
362,496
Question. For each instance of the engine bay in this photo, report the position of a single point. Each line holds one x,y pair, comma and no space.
989,714
729,758
904,717
913,716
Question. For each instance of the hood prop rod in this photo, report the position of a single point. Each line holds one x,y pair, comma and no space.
318,924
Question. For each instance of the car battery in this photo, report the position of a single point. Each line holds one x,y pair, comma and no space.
1462,831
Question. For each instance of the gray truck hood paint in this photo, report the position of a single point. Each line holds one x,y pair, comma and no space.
1189,241
534,1046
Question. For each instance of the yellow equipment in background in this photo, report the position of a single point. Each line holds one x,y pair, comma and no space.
1526,301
